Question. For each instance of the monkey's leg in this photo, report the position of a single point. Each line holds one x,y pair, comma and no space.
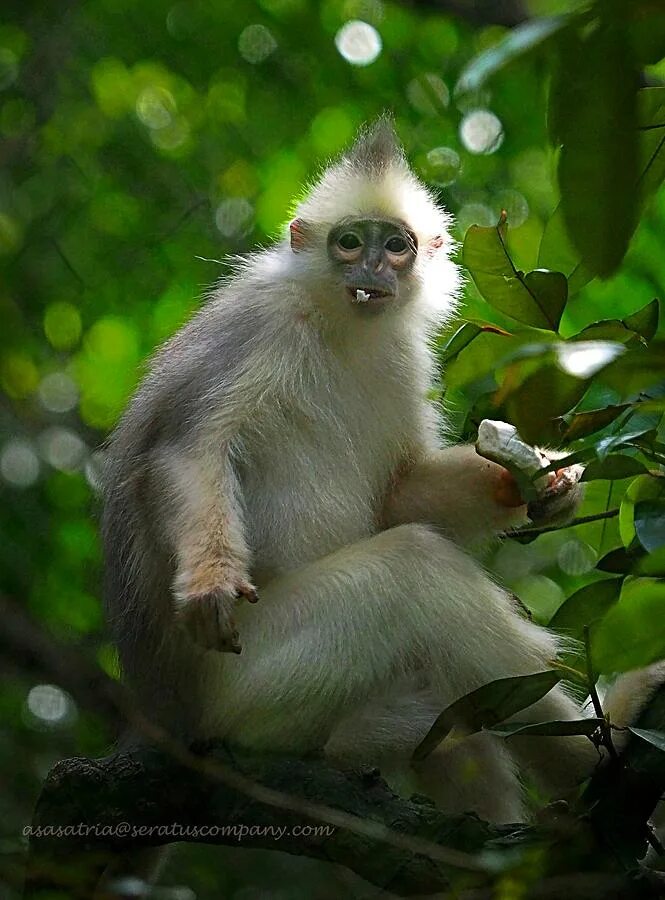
343,629
476,774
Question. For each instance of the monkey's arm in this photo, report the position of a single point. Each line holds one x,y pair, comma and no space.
207,534
471,498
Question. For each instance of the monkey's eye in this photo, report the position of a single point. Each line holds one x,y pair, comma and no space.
397,244
349,241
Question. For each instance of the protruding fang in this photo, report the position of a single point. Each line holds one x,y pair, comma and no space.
362,296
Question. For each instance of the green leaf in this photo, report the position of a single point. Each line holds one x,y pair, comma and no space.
632,634
641,326
585,606
621,560
557,252
656,738
649,520
517,43
537,301
651,112
488,705
550,289
541,399
613,467
461,339
646,487
634,561
645,321
596,121
585,423
547,729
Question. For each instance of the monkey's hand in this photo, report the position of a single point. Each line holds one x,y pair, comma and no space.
208,616
559,500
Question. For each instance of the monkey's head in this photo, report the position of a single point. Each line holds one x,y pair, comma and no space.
373,235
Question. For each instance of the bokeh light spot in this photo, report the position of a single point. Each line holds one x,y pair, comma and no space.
576,558
234,217
58,392
62,325
112,340
358,42
155,107
481,131
50,705
19,375
62,448
515,205
113,87
443,166
256,43
19,464
475,214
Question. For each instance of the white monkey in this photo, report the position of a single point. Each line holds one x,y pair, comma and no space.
282,443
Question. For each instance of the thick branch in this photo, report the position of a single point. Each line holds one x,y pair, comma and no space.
144,789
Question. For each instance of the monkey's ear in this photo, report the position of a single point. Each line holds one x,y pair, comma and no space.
299,231
435,244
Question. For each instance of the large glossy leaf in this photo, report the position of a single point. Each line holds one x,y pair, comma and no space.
458,341
537,299
595,113
612,467
642,489
655,738
488,705
557,252
547,729
541,399
632,634
640,327
649,520
645,321
585,423
585,606
651,119
518,42
634,561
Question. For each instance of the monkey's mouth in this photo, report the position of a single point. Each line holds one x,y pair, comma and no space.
369,296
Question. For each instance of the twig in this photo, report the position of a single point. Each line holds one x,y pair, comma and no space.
580,520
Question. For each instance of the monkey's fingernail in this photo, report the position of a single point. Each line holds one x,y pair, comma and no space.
253,597
236,648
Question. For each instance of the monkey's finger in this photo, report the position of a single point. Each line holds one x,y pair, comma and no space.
247,592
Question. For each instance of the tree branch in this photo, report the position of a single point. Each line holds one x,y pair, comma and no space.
145,798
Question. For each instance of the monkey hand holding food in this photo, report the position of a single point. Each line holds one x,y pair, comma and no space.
551,497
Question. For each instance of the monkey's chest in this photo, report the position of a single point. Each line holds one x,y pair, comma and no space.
313,483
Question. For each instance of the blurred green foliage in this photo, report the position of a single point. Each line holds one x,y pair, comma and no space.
142,142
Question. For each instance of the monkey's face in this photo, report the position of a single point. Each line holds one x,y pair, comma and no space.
373,257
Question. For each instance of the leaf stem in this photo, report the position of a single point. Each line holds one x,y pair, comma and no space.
605,729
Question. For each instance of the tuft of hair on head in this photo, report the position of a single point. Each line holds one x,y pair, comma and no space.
376,148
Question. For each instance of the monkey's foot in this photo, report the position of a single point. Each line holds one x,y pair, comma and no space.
209,618
558,502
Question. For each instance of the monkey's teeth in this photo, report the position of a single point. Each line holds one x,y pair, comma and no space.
362,296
